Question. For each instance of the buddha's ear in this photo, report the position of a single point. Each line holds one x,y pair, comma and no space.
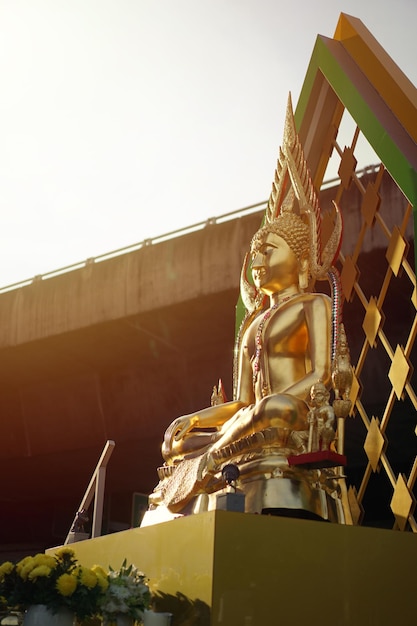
303,267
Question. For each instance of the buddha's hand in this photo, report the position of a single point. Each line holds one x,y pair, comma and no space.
178,429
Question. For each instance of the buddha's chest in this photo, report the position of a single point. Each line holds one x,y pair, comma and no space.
279,333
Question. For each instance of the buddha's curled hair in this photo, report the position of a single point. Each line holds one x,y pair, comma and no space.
290,227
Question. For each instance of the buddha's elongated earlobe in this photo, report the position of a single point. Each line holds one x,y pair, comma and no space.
303,272
251,297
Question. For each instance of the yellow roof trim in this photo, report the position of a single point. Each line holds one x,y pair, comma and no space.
380,70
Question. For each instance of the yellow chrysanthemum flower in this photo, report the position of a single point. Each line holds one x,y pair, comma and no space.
97,569
28,567
39,571
45,559
64,551
21,564
76,571
66,584
38,558
5,568
87,577
103,582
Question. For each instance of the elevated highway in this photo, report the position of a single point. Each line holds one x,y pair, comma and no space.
117,347
112,350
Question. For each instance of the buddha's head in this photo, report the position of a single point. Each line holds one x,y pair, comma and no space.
290,227
280,254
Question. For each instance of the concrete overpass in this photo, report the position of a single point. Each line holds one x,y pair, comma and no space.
118,347
113,350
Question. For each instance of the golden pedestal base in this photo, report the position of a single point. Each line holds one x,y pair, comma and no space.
223,568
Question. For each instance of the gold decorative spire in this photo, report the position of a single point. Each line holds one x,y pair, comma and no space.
292,181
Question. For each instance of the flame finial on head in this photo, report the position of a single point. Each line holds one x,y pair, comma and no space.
292,181
293,198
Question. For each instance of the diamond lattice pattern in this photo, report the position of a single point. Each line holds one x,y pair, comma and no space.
378,279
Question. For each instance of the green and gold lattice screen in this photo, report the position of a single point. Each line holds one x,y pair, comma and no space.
356,104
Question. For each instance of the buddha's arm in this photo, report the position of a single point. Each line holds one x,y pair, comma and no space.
210,417
216,416
180,438
317,313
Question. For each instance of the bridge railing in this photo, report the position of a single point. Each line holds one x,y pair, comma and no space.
252,208
136,246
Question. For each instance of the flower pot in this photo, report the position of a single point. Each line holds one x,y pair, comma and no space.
150,618
119,620
41,615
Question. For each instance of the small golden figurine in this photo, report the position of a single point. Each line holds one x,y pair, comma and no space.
321,423
218,395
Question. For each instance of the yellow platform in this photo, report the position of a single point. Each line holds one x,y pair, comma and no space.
237,569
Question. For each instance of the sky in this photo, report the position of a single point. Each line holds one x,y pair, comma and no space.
122,120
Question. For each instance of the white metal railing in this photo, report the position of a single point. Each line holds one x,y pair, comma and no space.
95,489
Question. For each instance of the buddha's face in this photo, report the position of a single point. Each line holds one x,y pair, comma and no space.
274,265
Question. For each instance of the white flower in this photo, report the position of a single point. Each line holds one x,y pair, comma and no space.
127,593
122,592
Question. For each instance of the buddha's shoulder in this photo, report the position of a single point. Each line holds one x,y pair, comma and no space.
314,300
313,296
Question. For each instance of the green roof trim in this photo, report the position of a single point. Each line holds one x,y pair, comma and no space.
389,139
357,95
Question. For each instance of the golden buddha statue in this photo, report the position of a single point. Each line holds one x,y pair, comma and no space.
286,345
